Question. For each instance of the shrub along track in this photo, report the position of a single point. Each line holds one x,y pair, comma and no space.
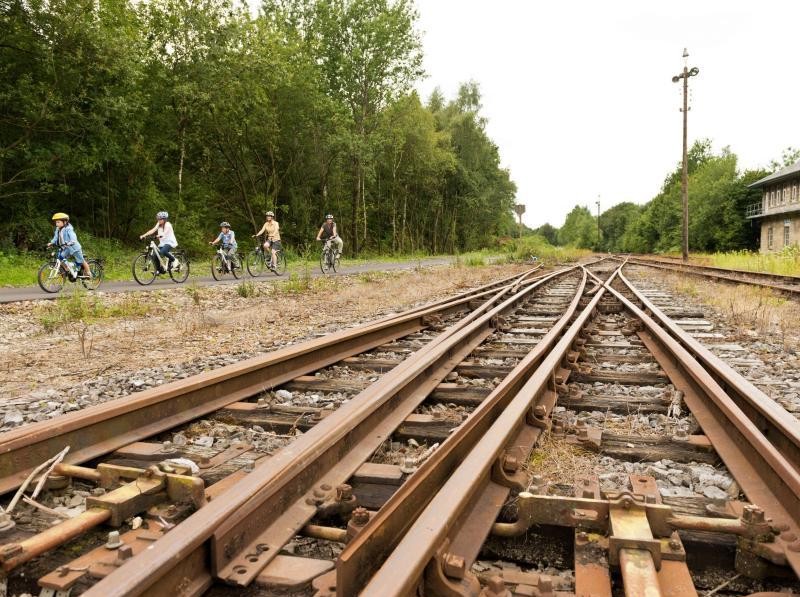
540,339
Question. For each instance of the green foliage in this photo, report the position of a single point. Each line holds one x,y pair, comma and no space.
579,229
246,289
785,262
78,305
718,198
526,248
115,110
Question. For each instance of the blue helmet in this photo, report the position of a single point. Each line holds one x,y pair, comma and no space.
162,215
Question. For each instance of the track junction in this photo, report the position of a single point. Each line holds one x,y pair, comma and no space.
402,449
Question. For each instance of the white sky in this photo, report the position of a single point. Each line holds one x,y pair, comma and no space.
579,94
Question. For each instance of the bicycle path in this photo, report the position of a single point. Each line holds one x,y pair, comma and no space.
34,293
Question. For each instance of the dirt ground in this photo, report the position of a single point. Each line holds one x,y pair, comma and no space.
132,332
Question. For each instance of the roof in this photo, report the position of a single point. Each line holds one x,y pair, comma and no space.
781,174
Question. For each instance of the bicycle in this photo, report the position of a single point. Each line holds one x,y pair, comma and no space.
221,264
329,259
146,265
258,260
55,272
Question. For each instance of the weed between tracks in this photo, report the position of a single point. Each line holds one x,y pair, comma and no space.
557,461
79,305
753,307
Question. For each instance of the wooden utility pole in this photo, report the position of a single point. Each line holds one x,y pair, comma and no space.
687,72
598,222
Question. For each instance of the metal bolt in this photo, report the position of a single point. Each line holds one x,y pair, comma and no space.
454,566
124,553
496,585
587,481
510,463
114,541
540,411
172,509
344,492
166,446
318,493
545,584
794,546
62,570
674,544
360,516
753,514
582,536
325,487
788,536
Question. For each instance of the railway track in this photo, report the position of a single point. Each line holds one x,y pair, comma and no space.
788,285
407,455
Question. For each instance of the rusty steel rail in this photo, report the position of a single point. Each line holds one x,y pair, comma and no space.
778,426
789,285
765,474
364,554
450,530
237,534
103,428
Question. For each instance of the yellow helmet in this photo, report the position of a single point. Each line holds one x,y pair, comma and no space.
60,216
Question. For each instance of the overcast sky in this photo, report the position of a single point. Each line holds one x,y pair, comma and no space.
579,95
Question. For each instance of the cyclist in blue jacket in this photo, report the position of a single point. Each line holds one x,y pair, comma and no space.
66,240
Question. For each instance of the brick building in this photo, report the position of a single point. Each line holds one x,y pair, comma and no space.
779,211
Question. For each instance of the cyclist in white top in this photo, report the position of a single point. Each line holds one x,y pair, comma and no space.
166,239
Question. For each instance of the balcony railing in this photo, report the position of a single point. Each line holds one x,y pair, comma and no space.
754,210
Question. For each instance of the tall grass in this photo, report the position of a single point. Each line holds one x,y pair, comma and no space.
785,262
525,248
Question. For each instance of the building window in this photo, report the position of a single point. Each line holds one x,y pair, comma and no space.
769,237
786,234
771,198
794,193
783,195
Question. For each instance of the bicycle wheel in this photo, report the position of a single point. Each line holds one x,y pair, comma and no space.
144,272
96,267
336,264
255,263
217,267
280,263
235,267
181,264
324,262
49,278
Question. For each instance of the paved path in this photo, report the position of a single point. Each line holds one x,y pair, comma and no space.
34,293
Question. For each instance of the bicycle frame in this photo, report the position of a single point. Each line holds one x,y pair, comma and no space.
153,250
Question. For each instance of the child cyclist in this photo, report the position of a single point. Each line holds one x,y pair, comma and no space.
67,242
228,239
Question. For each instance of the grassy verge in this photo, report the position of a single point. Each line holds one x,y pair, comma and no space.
785,263
81,306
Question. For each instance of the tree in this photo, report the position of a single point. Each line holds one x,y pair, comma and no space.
579,229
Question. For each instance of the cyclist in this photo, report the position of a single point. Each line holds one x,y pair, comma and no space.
67,242
166,240
272,239
228,239
328,231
